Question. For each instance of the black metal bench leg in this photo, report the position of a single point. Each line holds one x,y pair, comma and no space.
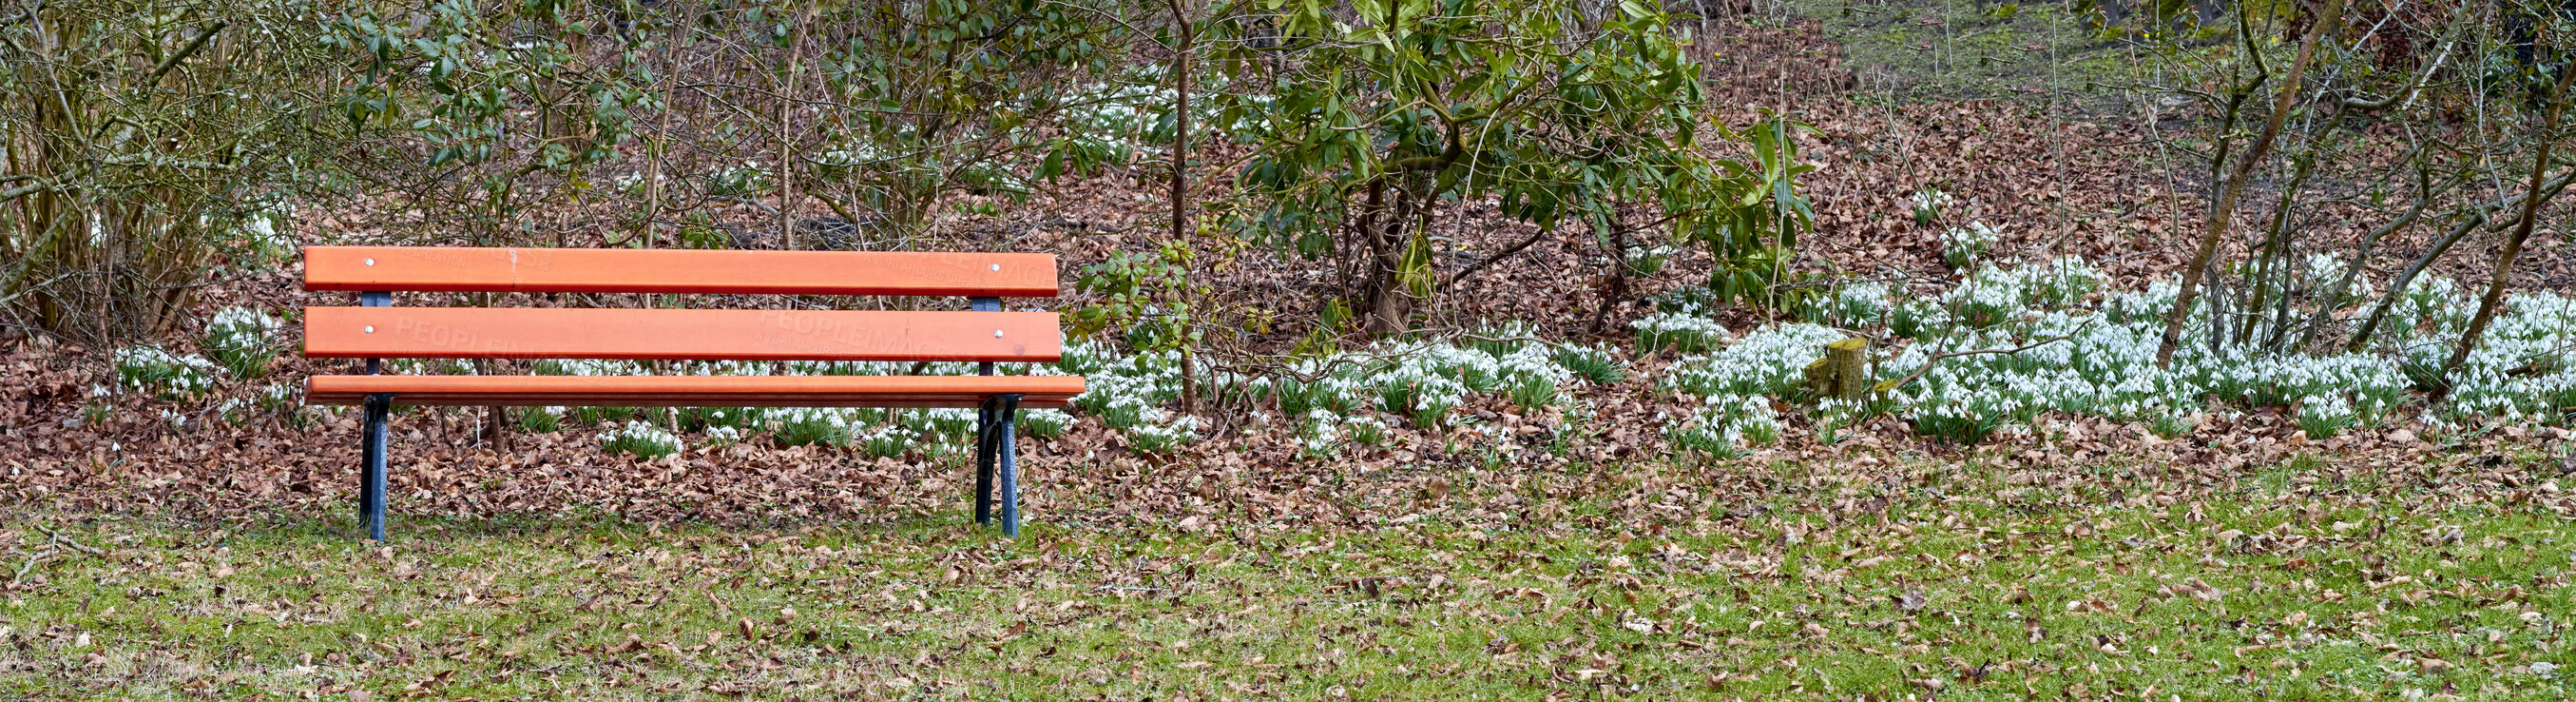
985,419
984,458
1010,459
371,481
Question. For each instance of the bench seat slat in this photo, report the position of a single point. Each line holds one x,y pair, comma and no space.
461,269
662,334
1044,391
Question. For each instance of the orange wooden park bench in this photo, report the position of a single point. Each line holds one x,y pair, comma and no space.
376,330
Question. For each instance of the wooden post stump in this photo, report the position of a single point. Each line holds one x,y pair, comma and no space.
1843,373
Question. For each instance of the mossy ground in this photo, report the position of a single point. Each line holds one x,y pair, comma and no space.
1970,49
1972,579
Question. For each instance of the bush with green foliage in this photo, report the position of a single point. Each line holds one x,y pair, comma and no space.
148,146
1555,113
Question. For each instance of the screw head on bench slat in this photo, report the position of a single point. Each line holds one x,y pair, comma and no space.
997,268
997,333
371,329
371,262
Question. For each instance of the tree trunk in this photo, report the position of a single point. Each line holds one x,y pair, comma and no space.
1614,291
1390,300
1180,187
2272,273
2503,274
786,155
2222,212
2477,218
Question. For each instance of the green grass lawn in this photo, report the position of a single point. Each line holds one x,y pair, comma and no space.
1960,580
1979,50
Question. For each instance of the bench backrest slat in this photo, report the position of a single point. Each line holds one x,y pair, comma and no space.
681,334
457,269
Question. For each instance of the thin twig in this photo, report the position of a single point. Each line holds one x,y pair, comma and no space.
67,541
185,52
1490,260
30,566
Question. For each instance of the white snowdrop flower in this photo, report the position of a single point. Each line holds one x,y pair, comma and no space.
1682,331
1929,201
151,370
588,367
1159,432
2104,366
2320,272
1322,434
1961,246
1860,304
642,439
1767,361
